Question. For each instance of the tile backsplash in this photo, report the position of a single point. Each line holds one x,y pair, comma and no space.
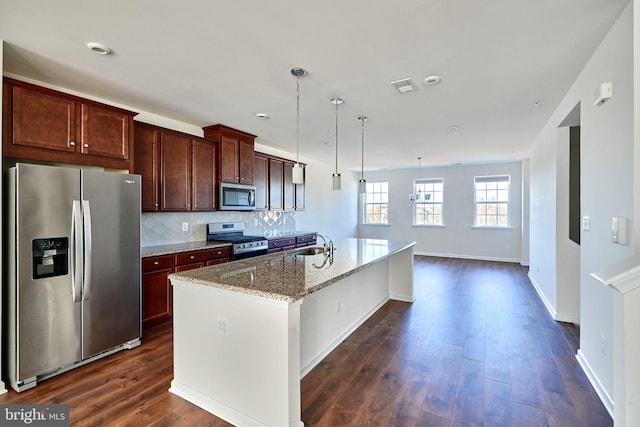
166,227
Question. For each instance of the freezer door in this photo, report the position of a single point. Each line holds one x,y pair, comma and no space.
111,289
44,328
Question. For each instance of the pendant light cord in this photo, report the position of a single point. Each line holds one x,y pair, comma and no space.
298,121
362,150
337,137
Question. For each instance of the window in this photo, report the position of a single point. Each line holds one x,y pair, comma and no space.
376,203
492,201
427,208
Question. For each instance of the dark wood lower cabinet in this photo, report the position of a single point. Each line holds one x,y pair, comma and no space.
156,290
156,286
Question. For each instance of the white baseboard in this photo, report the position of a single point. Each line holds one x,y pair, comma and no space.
218,409
595,382
474,257
545,301
304,370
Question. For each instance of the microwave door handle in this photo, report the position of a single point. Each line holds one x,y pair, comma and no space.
76,256
252,197
86,216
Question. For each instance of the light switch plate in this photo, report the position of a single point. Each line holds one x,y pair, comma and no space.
586,223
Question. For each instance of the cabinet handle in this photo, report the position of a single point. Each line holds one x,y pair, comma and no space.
156,262
192,257
155,204
85,145
72,143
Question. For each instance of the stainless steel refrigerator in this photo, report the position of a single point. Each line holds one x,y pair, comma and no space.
73,291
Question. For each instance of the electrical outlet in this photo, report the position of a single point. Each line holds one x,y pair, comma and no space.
185,226
603,343
223,326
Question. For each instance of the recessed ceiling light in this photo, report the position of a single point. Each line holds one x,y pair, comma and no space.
404,85
262,116
432,80
453,128
98,48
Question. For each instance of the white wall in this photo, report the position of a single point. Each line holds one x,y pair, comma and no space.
606,191
457,238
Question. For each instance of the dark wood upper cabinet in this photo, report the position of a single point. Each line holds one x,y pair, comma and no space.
147,164
203,176
289,191
175,172
44,124
178,170
261,179
275,189
276,180
235,153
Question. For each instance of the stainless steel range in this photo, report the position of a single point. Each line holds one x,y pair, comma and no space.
233,232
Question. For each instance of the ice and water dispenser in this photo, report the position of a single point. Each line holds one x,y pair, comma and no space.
50,257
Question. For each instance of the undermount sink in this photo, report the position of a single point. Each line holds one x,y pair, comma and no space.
313,250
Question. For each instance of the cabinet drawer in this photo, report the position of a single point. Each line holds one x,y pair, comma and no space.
280,243
307,239
156,263
202,256
224,252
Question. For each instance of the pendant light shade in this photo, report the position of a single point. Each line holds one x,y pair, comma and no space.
362,184
336,175
298,170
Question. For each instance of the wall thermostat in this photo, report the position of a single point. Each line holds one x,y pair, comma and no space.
603,93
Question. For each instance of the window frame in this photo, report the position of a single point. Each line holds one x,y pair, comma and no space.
488,201
432,202
384,205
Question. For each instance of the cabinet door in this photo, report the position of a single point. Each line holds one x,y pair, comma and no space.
289,193
189,266
43,121
146,163
156,298
245,160
276,200
261,179
105,132
175,176
203,176
229,161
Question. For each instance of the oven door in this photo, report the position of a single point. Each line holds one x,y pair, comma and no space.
248,254
236,197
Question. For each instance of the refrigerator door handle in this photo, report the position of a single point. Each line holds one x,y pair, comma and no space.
76,258
86,216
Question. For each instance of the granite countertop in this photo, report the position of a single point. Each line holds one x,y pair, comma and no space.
174,248
289,276
147,251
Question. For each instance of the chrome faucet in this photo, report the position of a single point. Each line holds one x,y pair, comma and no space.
327,246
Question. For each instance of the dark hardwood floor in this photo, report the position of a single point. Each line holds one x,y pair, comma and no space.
477,348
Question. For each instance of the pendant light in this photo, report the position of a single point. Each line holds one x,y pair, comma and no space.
417,196
362,184
298,171
336,175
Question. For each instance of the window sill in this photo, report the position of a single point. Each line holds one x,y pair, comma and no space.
491,227
376,225
429,225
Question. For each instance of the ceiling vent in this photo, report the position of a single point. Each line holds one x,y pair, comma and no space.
404,85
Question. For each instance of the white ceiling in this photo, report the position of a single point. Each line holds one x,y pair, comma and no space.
205,62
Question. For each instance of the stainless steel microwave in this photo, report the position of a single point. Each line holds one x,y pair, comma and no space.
236,197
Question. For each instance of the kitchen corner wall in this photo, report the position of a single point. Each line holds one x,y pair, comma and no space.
166,227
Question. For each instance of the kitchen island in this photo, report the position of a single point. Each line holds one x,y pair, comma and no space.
247,331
